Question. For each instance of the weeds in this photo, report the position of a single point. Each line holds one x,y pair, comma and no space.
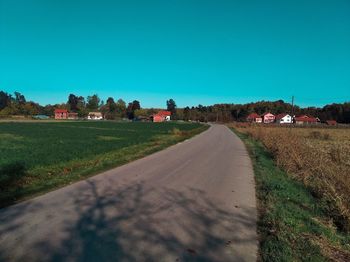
293,224
321,163
319,135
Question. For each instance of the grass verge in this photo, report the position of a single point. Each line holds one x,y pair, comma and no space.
293,225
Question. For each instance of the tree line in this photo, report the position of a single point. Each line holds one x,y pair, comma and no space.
239,112
17,104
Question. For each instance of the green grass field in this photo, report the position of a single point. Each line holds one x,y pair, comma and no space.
39,156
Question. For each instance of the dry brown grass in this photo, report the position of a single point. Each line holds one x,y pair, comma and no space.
319,157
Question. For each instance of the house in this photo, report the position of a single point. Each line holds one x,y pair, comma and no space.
61,113
284,119
161,116
95,116
304,119
331,122
268,118
254,117
73,116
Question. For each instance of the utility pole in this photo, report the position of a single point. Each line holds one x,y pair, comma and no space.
292,109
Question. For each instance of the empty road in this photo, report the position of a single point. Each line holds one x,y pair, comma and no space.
194,201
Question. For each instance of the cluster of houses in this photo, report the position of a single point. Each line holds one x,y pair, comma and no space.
269,118
161,116
64,114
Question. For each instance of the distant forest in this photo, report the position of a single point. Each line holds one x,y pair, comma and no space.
16,104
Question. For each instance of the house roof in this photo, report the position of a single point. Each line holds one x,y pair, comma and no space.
58,110
253,116
280,116
95,113
164,113
268,113
305,118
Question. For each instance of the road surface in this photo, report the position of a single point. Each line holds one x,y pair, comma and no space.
194,201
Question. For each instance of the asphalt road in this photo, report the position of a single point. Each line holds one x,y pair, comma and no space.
194,201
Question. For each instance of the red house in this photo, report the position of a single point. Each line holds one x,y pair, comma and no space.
254,117
268,118
304,119
162,116
61,113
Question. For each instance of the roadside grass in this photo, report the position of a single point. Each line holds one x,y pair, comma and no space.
318,157
293,224
38,157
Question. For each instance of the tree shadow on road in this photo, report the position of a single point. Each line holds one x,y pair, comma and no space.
148,224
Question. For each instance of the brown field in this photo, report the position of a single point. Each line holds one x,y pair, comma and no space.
319,157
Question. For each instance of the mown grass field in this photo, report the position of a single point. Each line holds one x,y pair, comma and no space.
39,156
303,188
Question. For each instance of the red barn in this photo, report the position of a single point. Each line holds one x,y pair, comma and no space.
162,116
61,113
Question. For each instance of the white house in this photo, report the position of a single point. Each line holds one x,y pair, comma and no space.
95,116
284,119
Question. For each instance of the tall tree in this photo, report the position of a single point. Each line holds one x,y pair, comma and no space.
81,103
132,107
93,102
111,105
109,110
121,108
5,99
171,106
19,98
136,105
73,102
129,111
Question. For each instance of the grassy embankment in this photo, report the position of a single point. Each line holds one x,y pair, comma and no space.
302,178
38,157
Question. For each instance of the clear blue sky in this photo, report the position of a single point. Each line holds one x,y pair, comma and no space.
197,52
